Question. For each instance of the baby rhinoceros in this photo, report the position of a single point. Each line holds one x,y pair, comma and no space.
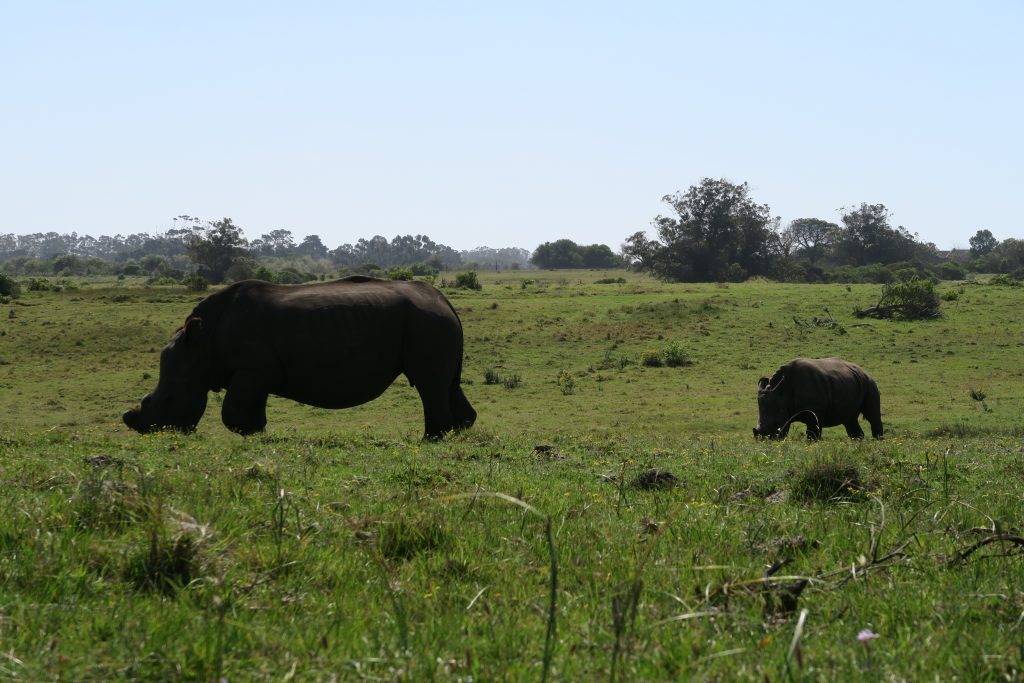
820,392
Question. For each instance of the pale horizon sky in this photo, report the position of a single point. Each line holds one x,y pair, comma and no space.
484,124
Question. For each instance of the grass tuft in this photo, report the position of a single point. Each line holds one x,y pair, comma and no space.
406,538
828,480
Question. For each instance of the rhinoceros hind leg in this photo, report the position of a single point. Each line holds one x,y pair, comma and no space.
245,406
462,412
873,411
437,412
853,429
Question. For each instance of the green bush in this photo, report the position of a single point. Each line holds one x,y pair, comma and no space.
913,300
1004,281
9,286
397,273
675,357
196,283
265,274
651,359
468,280
566,382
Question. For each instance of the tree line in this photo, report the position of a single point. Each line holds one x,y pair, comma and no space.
719,233
715,232
218,251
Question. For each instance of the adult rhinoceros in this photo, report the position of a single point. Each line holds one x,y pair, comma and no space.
821,392
331,344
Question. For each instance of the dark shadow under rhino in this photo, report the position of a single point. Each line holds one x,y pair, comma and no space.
820,392
332,345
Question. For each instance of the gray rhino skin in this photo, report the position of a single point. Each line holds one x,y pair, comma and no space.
331,345
821,392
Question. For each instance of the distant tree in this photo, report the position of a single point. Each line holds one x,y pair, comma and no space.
1005,257
215,249
403,250
274,243
497,259
812,238
557,254
720,234
68,264
599,256
983,243
153,264
312,246
868,238
567,254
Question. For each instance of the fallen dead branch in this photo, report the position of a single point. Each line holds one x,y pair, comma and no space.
997,538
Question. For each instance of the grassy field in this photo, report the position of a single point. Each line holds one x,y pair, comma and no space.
604,520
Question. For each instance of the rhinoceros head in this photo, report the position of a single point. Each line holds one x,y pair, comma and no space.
772,408
179,400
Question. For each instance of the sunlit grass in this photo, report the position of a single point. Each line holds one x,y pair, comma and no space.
338,545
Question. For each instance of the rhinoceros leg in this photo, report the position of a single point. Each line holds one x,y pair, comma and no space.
245,405
853,429
462,412
813,430
873,412
437,412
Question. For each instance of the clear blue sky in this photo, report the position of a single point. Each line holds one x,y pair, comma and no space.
505,124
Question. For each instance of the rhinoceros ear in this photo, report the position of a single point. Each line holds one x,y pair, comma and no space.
762,384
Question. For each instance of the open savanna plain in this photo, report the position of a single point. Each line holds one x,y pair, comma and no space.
606,518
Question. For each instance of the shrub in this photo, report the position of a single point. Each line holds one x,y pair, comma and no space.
651,359
265,274
913,300
9,286
566,382
196,283
952,294
610,281
397,273
423,269
292,276
160,280
675,357
468,280
951,270
512,382
1004,281
491,376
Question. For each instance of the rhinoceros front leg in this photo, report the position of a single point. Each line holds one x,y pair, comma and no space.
245,404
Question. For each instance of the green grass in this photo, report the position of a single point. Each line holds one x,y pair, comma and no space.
340,546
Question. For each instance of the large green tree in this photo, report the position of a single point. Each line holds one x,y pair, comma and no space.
565,253
867,237
216,248
719,233
811,238
983,243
